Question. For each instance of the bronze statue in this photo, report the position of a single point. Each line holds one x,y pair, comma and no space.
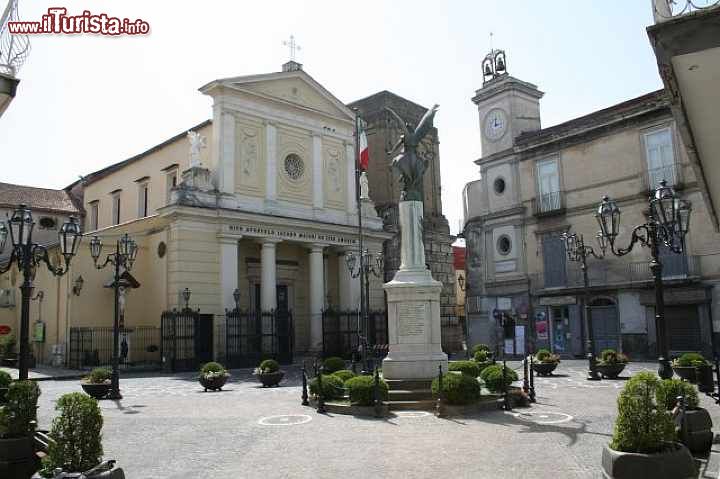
411,167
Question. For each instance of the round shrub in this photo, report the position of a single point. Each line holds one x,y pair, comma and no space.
480,347
20,409
5,379
469,368
269,366
99,375
212,367
458,388
481,356
344,374
691,359
332,387
542,354
78,445
492,376
669,389
641,426
362,390
482,366
333,364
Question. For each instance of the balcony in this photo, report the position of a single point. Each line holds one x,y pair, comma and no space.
14,50
669,173
549,204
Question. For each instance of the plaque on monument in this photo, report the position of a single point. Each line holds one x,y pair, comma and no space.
411,319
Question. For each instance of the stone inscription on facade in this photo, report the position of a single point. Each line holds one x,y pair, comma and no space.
298,235
411,319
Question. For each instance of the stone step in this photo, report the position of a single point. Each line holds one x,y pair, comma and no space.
408,384
422,405
409,394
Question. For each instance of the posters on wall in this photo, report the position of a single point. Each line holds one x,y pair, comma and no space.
520,340
541,326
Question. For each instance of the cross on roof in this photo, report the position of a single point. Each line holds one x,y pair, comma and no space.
293,47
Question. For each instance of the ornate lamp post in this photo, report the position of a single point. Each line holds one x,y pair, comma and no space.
363,265
28,256
667,225
123,258
578,251
186,297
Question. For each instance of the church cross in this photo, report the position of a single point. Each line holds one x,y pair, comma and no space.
292,46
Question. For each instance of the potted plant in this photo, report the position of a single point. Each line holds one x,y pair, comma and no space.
17,426
213,376
643,444
611,363
492,377
7,346
545,362
696,433
5,380
685,365
483,359
76,444
97,384
269,373
482,347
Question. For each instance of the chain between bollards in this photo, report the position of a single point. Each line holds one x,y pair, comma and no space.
440,405
377,400
305,401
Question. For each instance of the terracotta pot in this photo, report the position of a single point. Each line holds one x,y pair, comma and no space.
214,384
544,369
673,463
686,372
271,379
96,390
610,371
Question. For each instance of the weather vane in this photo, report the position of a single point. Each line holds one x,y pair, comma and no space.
294,47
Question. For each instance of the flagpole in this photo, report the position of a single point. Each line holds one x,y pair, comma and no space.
361,256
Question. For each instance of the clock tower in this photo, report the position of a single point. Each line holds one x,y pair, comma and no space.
507,106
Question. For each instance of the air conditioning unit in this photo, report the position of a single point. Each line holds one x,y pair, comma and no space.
7,298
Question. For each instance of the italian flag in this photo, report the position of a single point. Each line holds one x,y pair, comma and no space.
364,156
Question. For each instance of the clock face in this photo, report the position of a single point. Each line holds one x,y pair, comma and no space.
495,124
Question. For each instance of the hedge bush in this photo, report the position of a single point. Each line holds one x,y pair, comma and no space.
481,356
669,389
20,409
269,366
469,368
691,359
7,345
212,367
480,347
5,379
99,375
332,387
344,374
362,390
641,426
77,434
492,377
458,388
333,364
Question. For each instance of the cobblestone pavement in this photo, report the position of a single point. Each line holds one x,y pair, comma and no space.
167,427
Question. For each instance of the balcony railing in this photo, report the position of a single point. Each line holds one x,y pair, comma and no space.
668,173
14,49
549,204
664,10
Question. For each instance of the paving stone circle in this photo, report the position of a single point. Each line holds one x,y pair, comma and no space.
285,420
543,417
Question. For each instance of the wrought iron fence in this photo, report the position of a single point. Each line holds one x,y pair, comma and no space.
664,10
342,330
187,339
14,48
549,203
251,336
93,346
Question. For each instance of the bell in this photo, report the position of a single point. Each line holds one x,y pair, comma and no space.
488,70
500,65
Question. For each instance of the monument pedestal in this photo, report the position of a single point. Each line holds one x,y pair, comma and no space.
413,297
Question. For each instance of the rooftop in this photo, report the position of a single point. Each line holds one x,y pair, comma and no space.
46,199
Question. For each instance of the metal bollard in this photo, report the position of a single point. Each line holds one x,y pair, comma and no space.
305,401
377,400
439,406
526,381
532,380
506,400
321,398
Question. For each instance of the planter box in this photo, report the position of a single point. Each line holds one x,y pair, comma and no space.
698,437
610,371
686,372
17,458
544,369
674,463
3,394
98,391
214,384
271,379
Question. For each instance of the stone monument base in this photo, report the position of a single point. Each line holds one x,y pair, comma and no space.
415,350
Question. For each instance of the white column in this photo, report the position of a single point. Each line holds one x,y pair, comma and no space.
224,148
229,269
318,186
351,199
317,292
268,276
271,154
349,287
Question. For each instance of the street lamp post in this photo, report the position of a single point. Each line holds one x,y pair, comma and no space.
363,265
667,225
122,259
28,256
578,251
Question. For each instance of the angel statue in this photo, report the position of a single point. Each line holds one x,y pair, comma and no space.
411,167
197,142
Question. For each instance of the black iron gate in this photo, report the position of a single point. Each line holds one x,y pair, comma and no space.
251,336
187,339
342,330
